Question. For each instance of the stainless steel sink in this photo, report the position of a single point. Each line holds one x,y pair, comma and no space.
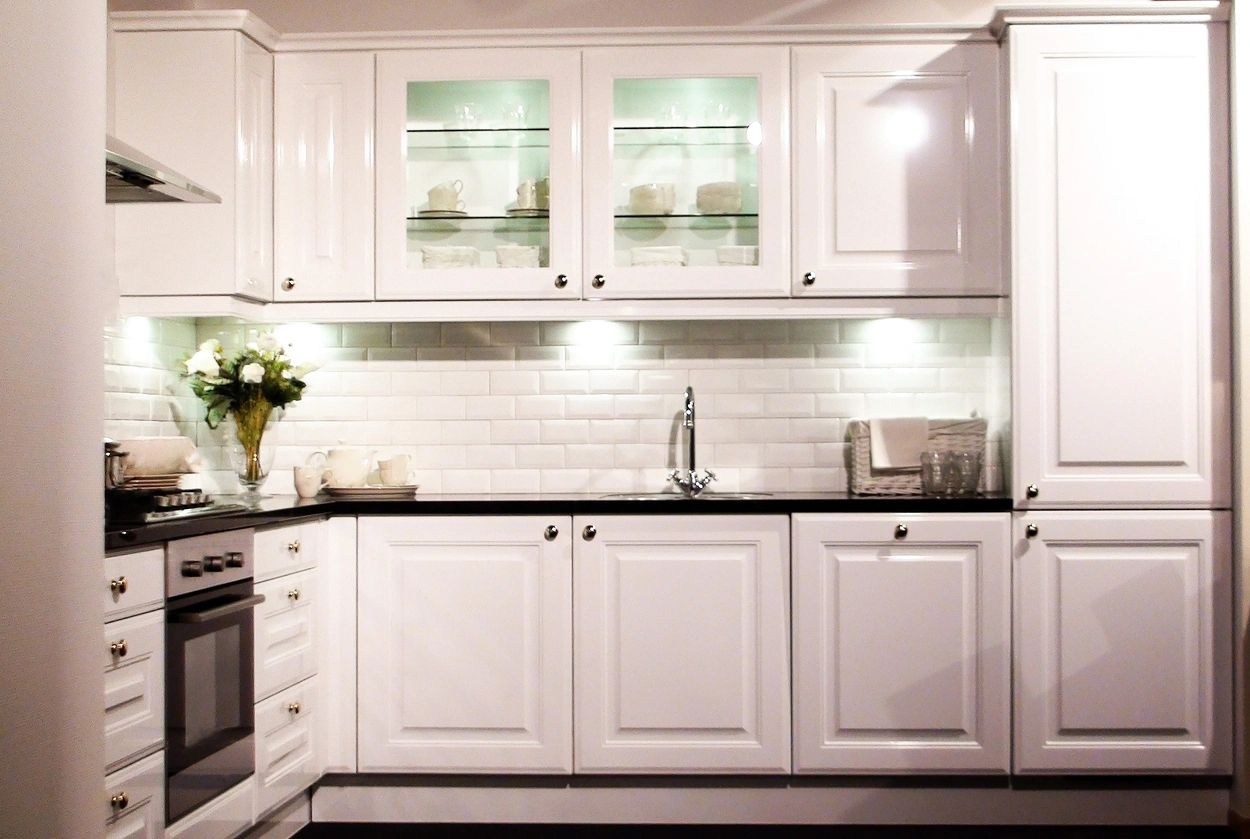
677,496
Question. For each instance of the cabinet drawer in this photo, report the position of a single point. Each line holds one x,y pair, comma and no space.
284,632
134,800
287,751
282,550
229,814
133,657
133,582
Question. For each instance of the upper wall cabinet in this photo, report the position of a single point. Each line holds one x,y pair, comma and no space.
479,188
323,176
1121,264
202,103
687,172
896,175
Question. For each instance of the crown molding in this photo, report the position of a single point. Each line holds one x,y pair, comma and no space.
235,19
1160,11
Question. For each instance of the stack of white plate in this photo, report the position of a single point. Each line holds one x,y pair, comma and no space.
166,481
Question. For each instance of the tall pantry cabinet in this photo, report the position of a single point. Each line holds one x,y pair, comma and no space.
1120,263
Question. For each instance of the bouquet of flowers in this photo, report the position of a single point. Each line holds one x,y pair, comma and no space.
245,388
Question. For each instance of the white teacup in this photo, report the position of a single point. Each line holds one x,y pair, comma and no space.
653,199
309,480
396,471
344,467
445,197
533,194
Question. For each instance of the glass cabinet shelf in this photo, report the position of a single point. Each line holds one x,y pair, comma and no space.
480,224
479,138
687,221
684,135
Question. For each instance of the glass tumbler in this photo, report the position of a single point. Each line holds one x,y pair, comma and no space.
964,473
934,472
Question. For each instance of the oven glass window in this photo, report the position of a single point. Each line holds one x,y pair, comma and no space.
212,678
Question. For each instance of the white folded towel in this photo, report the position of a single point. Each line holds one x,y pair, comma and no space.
896,443
160,455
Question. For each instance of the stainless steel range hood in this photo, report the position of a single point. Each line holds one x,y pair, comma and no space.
132,177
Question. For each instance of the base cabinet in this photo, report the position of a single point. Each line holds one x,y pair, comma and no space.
901,643
134,800
681,630
133,654
1122,642
289,751
465,644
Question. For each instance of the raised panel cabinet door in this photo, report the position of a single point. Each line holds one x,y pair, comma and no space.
133,804
289,752
286,632
897,170
682,649
133,657
687,171
465,644
254,198
323,176
1120,217
902,636
1122,635
479,187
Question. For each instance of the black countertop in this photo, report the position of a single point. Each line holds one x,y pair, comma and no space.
284,509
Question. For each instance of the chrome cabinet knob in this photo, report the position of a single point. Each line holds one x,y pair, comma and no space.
562,280
1030,530
900,531
589,532
293,547
119,585
551,533
293,708
288,284
118,648
293,594
597,281
809,278
1031,490
120,801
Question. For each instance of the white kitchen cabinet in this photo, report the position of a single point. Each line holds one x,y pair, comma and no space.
1122,634
662,123
323,176
682,652
134,800
461,135
902,642
133,583
897,170
285,632
200,102
1119,174
465,644
133,656
289,750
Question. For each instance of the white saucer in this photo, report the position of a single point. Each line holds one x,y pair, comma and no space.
405,491
527,212
441,214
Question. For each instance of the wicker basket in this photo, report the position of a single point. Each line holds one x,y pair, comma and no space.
957,435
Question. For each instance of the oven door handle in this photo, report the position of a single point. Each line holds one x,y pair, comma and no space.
217,611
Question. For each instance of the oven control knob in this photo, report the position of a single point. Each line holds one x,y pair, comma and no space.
214,563
192,568
234,559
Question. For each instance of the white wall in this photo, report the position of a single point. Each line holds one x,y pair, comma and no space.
52,80
401,15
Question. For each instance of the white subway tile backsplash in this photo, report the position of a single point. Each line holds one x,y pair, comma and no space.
583,407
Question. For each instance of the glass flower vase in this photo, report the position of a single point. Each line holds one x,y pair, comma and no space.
251,456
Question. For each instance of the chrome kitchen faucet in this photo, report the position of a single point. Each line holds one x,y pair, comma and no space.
692,484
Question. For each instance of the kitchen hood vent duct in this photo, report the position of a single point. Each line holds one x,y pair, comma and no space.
132,177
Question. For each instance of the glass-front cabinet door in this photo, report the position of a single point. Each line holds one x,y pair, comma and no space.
687,172
479,191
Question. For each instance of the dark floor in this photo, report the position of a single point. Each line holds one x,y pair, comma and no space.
343,831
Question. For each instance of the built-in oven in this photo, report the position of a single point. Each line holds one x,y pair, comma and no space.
209,722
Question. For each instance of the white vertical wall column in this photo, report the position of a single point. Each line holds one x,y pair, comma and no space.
52,84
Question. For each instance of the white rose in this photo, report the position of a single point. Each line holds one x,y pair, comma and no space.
252,373
212,345
203,363
268,343
253,346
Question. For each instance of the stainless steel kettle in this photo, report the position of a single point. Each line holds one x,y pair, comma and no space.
114,465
